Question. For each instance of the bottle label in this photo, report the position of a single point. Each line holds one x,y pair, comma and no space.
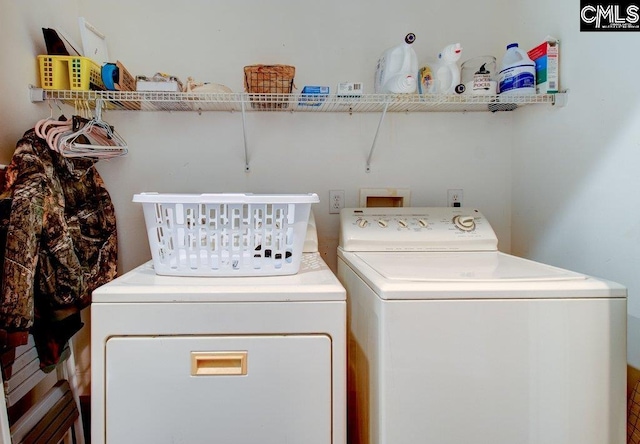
426,81
516,77
481,82
481,79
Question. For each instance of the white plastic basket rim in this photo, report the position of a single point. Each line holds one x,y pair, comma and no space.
152,197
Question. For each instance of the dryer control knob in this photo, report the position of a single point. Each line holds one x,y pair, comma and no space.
383,223
362,223
464,223
403,223
423,223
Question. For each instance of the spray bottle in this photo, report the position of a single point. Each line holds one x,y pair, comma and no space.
442,75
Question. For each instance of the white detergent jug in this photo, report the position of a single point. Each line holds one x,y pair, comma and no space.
396,70
442,75
517,73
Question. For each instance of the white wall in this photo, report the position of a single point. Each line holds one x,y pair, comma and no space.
328,42
567,191
576,200
21,40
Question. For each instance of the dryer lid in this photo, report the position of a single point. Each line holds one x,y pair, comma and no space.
313,282
462,267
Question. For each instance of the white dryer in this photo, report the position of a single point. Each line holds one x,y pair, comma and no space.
240,360
451,341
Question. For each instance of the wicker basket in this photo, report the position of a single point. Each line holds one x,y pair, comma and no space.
269,86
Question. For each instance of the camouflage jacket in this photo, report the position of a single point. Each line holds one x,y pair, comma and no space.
60,244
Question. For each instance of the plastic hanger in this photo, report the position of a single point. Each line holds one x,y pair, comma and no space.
103,141
43,126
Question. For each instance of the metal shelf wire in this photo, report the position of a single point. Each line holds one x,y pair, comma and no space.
201,102
248,102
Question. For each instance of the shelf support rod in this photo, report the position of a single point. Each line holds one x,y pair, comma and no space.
375,138
98,112
244,134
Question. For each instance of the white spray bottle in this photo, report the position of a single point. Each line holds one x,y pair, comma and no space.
396,70
442,75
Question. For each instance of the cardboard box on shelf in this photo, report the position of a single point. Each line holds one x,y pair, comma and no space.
350,89
546,56
313,95
143,84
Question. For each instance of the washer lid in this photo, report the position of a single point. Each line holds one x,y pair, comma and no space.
462,267
469,275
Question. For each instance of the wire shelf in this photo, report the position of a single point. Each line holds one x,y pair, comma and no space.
200,102
270,102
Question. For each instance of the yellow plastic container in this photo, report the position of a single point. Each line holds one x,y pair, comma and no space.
69,73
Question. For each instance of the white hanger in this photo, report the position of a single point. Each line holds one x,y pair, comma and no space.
42,127
105,142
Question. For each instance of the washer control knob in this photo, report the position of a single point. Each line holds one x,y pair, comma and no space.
403,223
362,223
383,223
464,223
423,223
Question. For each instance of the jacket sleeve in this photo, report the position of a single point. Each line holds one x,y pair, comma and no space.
23,240
60,279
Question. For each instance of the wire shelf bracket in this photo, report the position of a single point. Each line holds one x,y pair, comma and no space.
244,134
375,137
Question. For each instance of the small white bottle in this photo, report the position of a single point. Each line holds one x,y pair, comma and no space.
517,73
442,74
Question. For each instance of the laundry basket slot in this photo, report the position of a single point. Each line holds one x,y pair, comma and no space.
226,234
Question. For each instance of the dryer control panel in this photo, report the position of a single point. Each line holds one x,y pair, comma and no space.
415,229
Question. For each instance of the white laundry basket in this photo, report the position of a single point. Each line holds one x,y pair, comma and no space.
226,234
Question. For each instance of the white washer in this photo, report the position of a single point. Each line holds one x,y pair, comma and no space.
451,341
232,360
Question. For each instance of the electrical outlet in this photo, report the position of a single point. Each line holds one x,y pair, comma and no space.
336,201
454,198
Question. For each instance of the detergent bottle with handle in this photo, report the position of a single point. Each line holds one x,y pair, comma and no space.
442,75
518,72
396,70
